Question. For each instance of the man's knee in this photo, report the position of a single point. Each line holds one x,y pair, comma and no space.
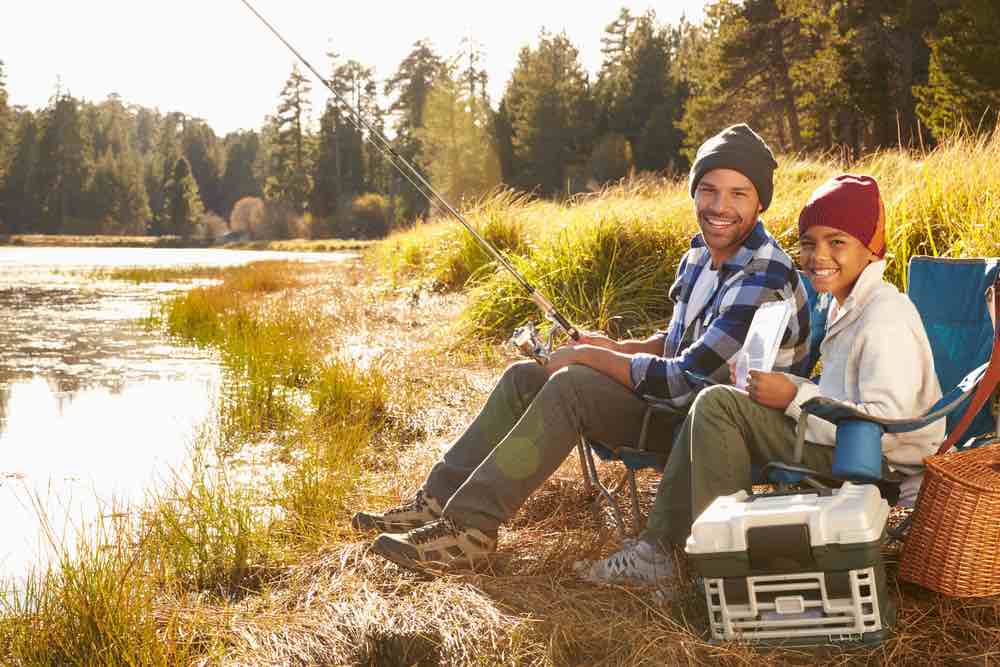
525,378
573,379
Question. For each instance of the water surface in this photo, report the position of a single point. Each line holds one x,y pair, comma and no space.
95,408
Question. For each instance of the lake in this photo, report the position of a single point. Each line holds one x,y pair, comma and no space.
94,407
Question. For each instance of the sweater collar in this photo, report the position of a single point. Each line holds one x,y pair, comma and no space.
869,280
864,288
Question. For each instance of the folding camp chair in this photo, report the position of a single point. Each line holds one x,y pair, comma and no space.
633,458
962,329
640,457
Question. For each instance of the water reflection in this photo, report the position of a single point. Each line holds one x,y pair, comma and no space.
93,406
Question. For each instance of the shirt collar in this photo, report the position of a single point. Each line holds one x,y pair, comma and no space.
758,237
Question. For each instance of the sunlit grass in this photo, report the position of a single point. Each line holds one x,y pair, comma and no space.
158,274
302,245
615,252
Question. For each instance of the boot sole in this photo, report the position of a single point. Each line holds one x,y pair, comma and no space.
427,568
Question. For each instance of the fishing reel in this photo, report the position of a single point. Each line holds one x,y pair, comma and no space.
529,343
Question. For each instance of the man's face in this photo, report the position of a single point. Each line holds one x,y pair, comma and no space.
833,260
727,206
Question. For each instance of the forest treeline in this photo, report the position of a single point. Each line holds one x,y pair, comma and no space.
813,76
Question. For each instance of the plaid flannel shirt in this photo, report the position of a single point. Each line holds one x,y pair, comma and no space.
759,272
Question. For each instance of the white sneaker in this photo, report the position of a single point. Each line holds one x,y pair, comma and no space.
638,562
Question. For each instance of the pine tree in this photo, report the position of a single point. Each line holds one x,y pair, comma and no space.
289,179
637,93
20,201
182,206
6,120
64,166
963,90
411,85
344,169
203,152
119,194
158,167
458,144
551,110
239,178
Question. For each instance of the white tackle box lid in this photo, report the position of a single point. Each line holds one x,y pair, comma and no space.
852,514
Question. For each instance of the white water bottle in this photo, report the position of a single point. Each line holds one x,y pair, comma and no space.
742,369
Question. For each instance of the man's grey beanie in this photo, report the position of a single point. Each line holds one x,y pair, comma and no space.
741,149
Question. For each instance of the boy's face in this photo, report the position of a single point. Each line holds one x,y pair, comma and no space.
727,205
833,260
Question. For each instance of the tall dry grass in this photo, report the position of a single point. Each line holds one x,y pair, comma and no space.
614,253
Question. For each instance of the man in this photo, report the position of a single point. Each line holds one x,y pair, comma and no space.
534,417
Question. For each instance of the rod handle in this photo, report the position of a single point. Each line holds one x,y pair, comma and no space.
553,314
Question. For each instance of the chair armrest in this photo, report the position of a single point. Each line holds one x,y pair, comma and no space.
835,411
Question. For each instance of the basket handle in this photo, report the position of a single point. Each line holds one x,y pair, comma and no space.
989,380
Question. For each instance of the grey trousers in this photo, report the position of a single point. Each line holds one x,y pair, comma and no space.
725,431
528,426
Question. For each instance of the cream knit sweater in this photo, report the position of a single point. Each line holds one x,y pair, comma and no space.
876,356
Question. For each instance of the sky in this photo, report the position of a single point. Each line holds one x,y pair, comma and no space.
214,60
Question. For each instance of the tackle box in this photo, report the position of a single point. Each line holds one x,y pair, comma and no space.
799,568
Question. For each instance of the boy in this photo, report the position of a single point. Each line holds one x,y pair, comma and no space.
875,355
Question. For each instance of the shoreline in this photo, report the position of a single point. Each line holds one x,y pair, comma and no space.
101,241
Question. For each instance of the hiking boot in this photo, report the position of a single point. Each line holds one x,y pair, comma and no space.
638,562
441,541
419,511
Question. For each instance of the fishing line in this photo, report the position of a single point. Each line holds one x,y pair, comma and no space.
416,179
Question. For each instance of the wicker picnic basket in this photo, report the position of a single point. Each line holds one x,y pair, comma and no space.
953,546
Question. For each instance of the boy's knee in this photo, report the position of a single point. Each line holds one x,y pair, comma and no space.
714,401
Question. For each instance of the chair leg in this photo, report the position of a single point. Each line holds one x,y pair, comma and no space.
588,483
604,494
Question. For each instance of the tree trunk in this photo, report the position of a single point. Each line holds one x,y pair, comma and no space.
787,89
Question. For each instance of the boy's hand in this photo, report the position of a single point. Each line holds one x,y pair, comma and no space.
773,390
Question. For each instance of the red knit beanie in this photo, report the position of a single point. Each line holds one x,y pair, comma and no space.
851,204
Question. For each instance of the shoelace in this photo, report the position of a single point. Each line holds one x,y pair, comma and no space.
415,505
624,560
433,531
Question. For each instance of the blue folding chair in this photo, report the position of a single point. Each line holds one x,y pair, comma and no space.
963,333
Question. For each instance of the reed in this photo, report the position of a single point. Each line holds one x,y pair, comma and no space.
158,274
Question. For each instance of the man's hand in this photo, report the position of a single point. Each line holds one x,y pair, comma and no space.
562,357
773,390
597,339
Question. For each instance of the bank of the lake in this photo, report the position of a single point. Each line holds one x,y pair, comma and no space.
167,241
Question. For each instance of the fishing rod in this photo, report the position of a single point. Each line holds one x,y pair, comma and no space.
525,338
